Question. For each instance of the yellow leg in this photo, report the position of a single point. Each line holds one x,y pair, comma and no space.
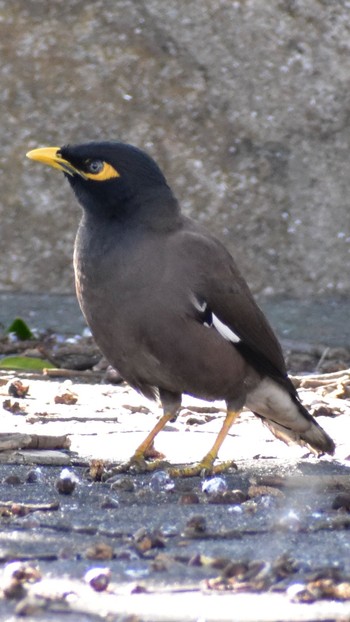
137,461
146,444
205,466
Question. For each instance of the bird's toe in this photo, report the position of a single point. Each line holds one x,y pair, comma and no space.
138,464
204,468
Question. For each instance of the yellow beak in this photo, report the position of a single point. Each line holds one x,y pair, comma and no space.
52,157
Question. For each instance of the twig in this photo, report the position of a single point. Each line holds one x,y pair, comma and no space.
318,380
30,507
322,357
61,372
329,376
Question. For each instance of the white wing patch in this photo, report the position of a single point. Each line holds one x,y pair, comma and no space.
210,319
224,330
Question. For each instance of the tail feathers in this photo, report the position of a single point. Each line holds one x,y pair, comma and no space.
287,418
315,438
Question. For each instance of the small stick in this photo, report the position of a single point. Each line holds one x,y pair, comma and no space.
323,356
30,507
62,372
330,376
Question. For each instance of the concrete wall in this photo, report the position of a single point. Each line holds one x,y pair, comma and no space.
245,104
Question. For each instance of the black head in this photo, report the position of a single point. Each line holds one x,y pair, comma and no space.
112,179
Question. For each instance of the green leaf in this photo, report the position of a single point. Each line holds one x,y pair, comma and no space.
24,363
20,329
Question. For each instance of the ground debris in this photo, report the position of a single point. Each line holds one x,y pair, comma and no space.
14,407
145,540
311,482
314,358
99,551
341,502
263,490
228,497
84,375
33,441
73,356
17,346
21,509
67,396
322,379
328,584
196,529
196,525
43,441
48,457
98,578
66,482
337,522
16,575
14,441
262,528
17,389
96,470
326,395
189,498
252,576
60,596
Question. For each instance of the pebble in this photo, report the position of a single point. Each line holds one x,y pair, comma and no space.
117,482
17,389
342,502
13,480
98,578
290,521
196,525
228,497
66,482
34,475
161,482
214,485
189,498
109,503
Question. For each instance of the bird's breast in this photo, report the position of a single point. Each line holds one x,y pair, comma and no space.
119,284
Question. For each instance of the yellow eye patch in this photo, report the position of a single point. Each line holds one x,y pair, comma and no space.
94,169
100,171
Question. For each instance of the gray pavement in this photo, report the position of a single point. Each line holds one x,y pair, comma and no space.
173,551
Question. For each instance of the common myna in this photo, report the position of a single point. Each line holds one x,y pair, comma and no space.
166,303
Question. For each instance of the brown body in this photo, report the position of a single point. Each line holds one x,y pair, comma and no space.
165,301
157,345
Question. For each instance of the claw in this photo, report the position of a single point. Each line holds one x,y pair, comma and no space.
202,469
138,464
206,466
224,466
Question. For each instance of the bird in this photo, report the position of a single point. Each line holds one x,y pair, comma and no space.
167,304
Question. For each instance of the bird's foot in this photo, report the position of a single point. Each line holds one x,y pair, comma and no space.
148,466
138,464
202,469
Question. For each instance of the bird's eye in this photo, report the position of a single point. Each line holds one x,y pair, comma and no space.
95,166
98,170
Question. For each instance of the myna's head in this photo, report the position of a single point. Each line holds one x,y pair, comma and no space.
109,178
